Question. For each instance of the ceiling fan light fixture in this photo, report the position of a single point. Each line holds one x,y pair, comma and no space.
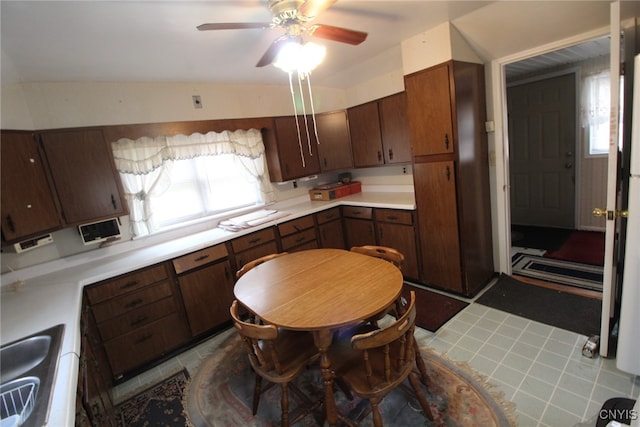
299,57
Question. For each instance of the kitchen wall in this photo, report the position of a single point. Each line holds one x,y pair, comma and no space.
48,105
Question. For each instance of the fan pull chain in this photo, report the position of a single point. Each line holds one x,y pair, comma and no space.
313,111
295,113
304,111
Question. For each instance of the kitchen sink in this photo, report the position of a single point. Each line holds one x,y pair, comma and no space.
27,374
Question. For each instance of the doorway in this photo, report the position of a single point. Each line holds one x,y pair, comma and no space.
555,179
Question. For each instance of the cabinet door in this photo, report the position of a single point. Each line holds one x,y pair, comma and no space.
27,202
207,294
84,175
402,238
394,127
366,139
297,157
429,110
331,234
435,189
359,232
334,142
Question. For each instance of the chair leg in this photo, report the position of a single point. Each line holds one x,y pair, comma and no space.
375,413
420,364
256,393
424,404
284,404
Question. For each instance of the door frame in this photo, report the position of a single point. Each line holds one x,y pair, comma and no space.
500,185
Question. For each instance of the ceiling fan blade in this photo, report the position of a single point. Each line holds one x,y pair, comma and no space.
342,35
272,51
233,26
310,9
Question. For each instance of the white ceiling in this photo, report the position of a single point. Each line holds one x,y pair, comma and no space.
158,41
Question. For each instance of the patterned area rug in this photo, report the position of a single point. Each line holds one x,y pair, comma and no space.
552,270
220,394
159,405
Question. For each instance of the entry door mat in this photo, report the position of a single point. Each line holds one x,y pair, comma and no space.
586,247
433,309
159,405
575,274
551,307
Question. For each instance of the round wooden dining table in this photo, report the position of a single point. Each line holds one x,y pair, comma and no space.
319,291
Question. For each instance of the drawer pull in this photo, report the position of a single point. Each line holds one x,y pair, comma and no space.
392,217
298,229
133,303
254,240
129,284
139,320
300,239
201,258
143,338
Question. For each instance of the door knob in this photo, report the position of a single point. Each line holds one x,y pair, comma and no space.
568,165
597,212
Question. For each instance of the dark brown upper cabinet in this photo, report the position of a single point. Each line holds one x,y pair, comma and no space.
379,132
293,155
84,175
28,202
334,141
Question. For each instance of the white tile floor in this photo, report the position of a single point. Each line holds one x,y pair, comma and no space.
538,367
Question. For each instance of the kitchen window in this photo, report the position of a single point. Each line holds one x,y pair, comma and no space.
170,181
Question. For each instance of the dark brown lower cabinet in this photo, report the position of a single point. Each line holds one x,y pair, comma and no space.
396,230
207,294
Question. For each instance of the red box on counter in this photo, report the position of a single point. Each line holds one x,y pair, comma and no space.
334,191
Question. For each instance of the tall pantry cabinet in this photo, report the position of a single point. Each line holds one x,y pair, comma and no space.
447,112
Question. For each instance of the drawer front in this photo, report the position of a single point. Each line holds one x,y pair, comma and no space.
127,283
145,344
257,252
295,226
197,259
357,212
394,216
298,239
134,319
328,215
252,240
117,306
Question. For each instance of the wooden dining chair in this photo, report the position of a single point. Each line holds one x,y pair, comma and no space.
396,258
378,362
277,356
256,262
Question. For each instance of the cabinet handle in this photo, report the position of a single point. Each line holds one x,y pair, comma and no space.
300,239
381,234
379,156
390,154
143,338
325,162
133,303
254,241
226,273
10,223
298,229
201,258
448,173
129,284
113,202
446,141
392,217
139,320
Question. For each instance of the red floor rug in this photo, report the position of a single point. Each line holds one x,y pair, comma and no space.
586,247
433,309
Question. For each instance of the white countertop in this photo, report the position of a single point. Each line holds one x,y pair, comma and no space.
52,292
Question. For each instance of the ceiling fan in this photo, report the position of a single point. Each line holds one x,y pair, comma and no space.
292,15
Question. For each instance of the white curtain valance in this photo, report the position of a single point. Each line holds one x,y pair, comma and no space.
143,155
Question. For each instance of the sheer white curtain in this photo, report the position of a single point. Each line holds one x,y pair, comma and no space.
145,166
595,104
